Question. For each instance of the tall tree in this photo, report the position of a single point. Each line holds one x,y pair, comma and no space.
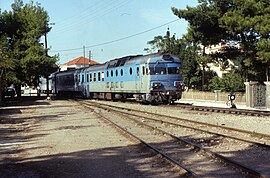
26,24
243,21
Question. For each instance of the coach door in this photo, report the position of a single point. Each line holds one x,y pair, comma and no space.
137,78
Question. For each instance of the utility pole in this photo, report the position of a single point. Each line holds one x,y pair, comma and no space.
83,56
90,57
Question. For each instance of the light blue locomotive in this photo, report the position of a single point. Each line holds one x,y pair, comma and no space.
153,78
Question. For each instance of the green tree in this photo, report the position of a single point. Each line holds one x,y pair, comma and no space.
26,24
243,21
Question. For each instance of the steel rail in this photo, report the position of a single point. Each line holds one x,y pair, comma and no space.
195,146
170,159
198,122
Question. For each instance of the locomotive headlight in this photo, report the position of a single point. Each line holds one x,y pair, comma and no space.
156,84
177,84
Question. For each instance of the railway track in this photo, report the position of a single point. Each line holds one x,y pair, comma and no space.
224,110
173,146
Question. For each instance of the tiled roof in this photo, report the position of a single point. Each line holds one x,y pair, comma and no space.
81,60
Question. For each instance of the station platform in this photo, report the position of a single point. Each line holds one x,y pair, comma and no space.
221,104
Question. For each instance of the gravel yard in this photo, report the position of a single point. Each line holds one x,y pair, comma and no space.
60,139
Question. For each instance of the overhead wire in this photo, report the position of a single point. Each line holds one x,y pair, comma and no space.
116,40
97,12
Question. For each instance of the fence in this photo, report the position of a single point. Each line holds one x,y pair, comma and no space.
213,96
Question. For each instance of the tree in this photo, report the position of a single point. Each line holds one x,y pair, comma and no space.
25,24
242,21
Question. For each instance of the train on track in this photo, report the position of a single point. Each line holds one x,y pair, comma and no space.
152,78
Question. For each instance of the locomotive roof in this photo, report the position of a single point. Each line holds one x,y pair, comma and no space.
130,60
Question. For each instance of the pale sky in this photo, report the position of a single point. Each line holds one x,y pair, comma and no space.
124,26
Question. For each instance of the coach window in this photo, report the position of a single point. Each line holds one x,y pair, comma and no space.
90,77
102,76
107,73
121,72
111,73
116,72
138,71
99,76
147,71
143,70
130,71
82,78
95,77
87,77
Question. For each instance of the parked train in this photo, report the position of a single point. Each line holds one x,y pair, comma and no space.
152,78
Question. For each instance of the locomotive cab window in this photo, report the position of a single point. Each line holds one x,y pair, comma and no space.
174,70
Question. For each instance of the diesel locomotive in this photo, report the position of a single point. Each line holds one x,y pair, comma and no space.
152,78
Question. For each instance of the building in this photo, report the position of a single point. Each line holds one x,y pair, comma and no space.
79,62
219,48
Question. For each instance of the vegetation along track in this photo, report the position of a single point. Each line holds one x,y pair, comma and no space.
208,154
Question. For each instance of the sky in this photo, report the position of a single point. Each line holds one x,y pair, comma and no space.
107,29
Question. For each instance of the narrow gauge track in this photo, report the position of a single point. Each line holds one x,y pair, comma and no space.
180,145
224,110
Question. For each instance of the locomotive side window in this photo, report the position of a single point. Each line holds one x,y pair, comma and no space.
99,76
95,77
130,71
121,71
90,77
102,76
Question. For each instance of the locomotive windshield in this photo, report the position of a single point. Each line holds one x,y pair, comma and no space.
164,70
174,70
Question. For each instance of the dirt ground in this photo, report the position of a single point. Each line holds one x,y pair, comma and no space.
44,138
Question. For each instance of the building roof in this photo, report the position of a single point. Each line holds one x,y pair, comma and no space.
81,61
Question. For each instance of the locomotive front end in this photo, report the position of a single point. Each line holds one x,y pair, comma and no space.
166,79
